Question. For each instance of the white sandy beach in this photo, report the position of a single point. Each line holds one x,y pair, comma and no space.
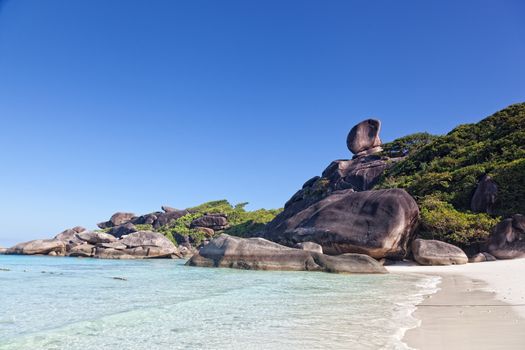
478,306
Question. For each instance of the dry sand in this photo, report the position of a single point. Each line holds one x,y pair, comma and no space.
479,306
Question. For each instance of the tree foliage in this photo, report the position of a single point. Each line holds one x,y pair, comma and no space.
441,221
407,145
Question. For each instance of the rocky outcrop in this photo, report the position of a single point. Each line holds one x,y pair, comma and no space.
215,222
432,252
361,173
116,220
122,230
507,240
135,245
485,196
363,139
261,254
39,247
379,223
3,250
481,257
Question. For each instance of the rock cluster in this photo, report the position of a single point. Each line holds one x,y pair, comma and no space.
124,236
341,212
261,254
84,243
156,219
358,174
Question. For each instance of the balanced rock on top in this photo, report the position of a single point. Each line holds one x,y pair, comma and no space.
364,139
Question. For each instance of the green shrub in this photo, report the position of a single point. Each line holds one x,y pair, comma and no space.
407,145
439,220
510,178
244,223
143,227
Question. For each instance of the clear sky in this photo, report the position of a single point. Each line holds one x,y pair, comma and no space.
127,105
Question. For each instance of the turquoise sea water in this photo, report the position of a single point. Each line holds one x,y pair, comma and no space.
72,303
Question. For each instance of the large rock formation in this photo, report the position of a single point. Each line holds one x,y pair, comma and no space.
484,197
3,250
379,223
358,174
432,252
39,247
363,139
260,254
507,240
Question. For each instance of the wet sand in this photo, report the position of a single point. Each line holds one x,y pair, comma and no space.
478,306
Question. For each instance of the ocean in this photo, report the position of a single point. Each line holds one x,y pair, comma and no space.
74,303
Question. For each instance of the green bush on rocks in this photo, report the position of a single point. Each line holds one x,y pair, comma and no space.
242,222
441,221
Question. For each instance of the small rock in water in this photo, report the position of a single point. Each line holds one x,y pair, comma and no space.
3,269
120,278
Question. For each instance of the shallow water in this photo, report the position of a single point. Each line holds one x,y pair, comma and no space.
72,303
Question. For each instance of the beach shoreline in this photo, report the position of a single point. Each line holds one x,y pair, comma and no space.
476,306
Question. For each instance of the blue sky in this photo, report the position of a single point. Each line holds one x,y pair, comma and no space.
128,105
